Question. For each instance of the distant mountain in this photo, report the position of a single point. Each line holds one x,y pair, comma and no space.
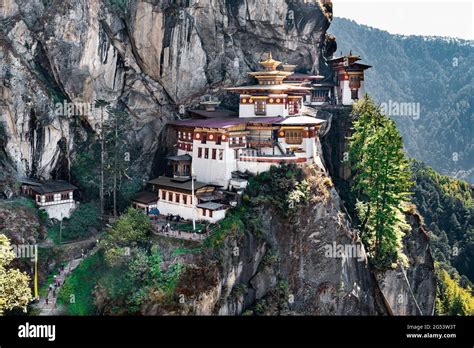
434,73
447,206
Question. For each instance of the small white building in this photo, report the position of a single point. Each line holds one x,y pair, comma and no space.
55,197
175,198
147,201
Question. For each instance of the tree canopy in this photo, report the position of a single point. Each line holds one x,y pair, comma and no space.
381,182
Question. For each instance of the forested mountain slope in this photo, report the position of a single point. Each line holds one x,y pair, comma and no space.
437,74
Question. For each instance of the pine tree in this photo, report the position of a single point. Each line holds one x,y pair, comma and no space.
117,148
381,182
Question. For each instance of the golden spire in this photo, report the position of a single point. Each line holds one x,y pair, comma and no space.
270,64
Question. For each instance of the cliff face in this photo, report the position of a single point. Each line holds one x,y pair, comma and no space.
154,58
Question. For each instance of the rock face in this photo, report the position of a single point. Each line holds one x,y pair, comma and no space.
154,58
411,291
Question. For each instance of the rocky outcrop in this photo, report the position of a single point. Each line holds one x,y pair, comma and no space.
314,261
411,290
153,58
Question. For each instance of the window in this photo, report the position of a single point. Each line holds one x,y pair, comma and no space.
49,198
64,196
354,94
214,154
260,107
199,152
221,155
206,153
210,213
218,139
204,138
163,195
176,197
293,137
185,199
291,107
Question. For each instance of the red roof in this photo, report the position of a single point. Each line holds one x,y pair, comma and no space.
225,122
212,114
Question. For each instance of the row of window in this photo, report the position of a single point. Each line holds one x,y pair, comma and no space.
184,135
205,137
260,107
184,146
174,197
293,137
215,153
209,212
51,197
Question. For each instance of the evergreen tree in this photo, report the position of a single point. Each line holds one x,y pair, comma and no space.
117,149
381,182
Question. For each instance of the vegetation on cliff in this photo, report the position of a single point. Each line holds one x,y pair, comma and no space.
127,270
84,221
109,154
14,285
380,183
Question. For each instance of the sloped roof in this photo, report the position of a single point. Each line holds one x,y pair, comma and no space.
164,181
210,122
48,186
211,206
145,197
301,120
212,114
185,157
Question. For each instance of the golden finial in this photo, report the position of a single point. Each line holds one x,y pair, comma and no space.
270,63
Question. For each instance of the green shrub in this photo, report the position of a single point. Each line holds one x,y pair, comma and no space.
82,222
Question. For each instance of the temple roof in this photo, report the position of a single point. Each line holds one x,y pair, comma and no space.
300,76
211,205
280,87
48,186
358,66
301,120
185,157
164,181
145,197
270,63
210,122
229,122
211,114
